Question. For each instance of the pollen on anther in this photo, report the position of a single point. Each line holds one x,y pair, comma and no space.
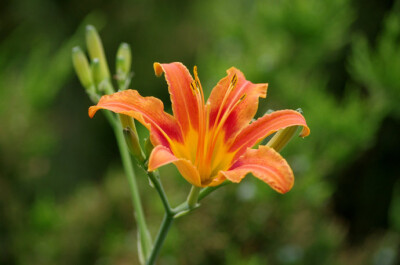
233,81
193,86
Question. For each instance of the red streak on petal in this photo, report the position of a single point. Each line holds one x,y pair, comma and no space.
149,111
184,102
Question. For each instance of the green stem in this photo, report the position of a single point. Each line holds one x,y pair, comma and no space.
196,194
158,186
183,208
162,233
168,217
193,197
206,191
128,167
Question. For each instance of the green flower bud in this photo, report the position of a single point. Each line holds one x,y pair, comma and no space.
282,138
124,59
132,142
82,67
148,146
127,121
131,137
95,48
103,85
96,70
269,111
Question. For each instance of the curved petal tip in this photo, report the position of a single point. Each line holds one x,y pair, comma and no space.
93,110
158,69
305,132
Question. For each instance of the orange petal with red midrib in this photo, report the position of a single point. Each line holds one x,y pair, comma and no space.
149,111
184,102
266,125
223,98
265,164
161,156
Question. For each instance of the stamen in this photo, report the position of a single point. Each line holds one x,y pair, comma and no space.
196,86
233,82
193,87
242,97
228,112
219,123
231,87
222,122
207,109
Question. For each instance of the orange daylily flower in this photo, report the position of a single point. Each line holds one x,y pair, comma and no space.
210,142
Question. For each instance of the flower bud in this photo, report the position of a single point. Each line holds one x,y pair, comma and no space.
95,66
131,137
124,59
148,146
82,67
127,121
95,48
102,84
282,138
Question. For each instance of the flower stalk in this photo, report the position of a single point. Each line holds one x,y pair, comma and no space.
162,234
96,81
145,239
193,197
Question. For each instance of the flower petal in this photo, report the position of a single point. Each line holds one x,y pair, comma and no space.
184,102
225,97
161,156
149,111
217,180
265,164
266,125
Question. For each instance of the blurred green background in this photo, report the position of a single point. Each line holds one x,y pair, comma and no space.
63,195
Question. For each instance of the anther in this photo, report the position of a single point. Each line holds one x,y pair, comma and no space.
233,82
242,98
197,84
193,86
